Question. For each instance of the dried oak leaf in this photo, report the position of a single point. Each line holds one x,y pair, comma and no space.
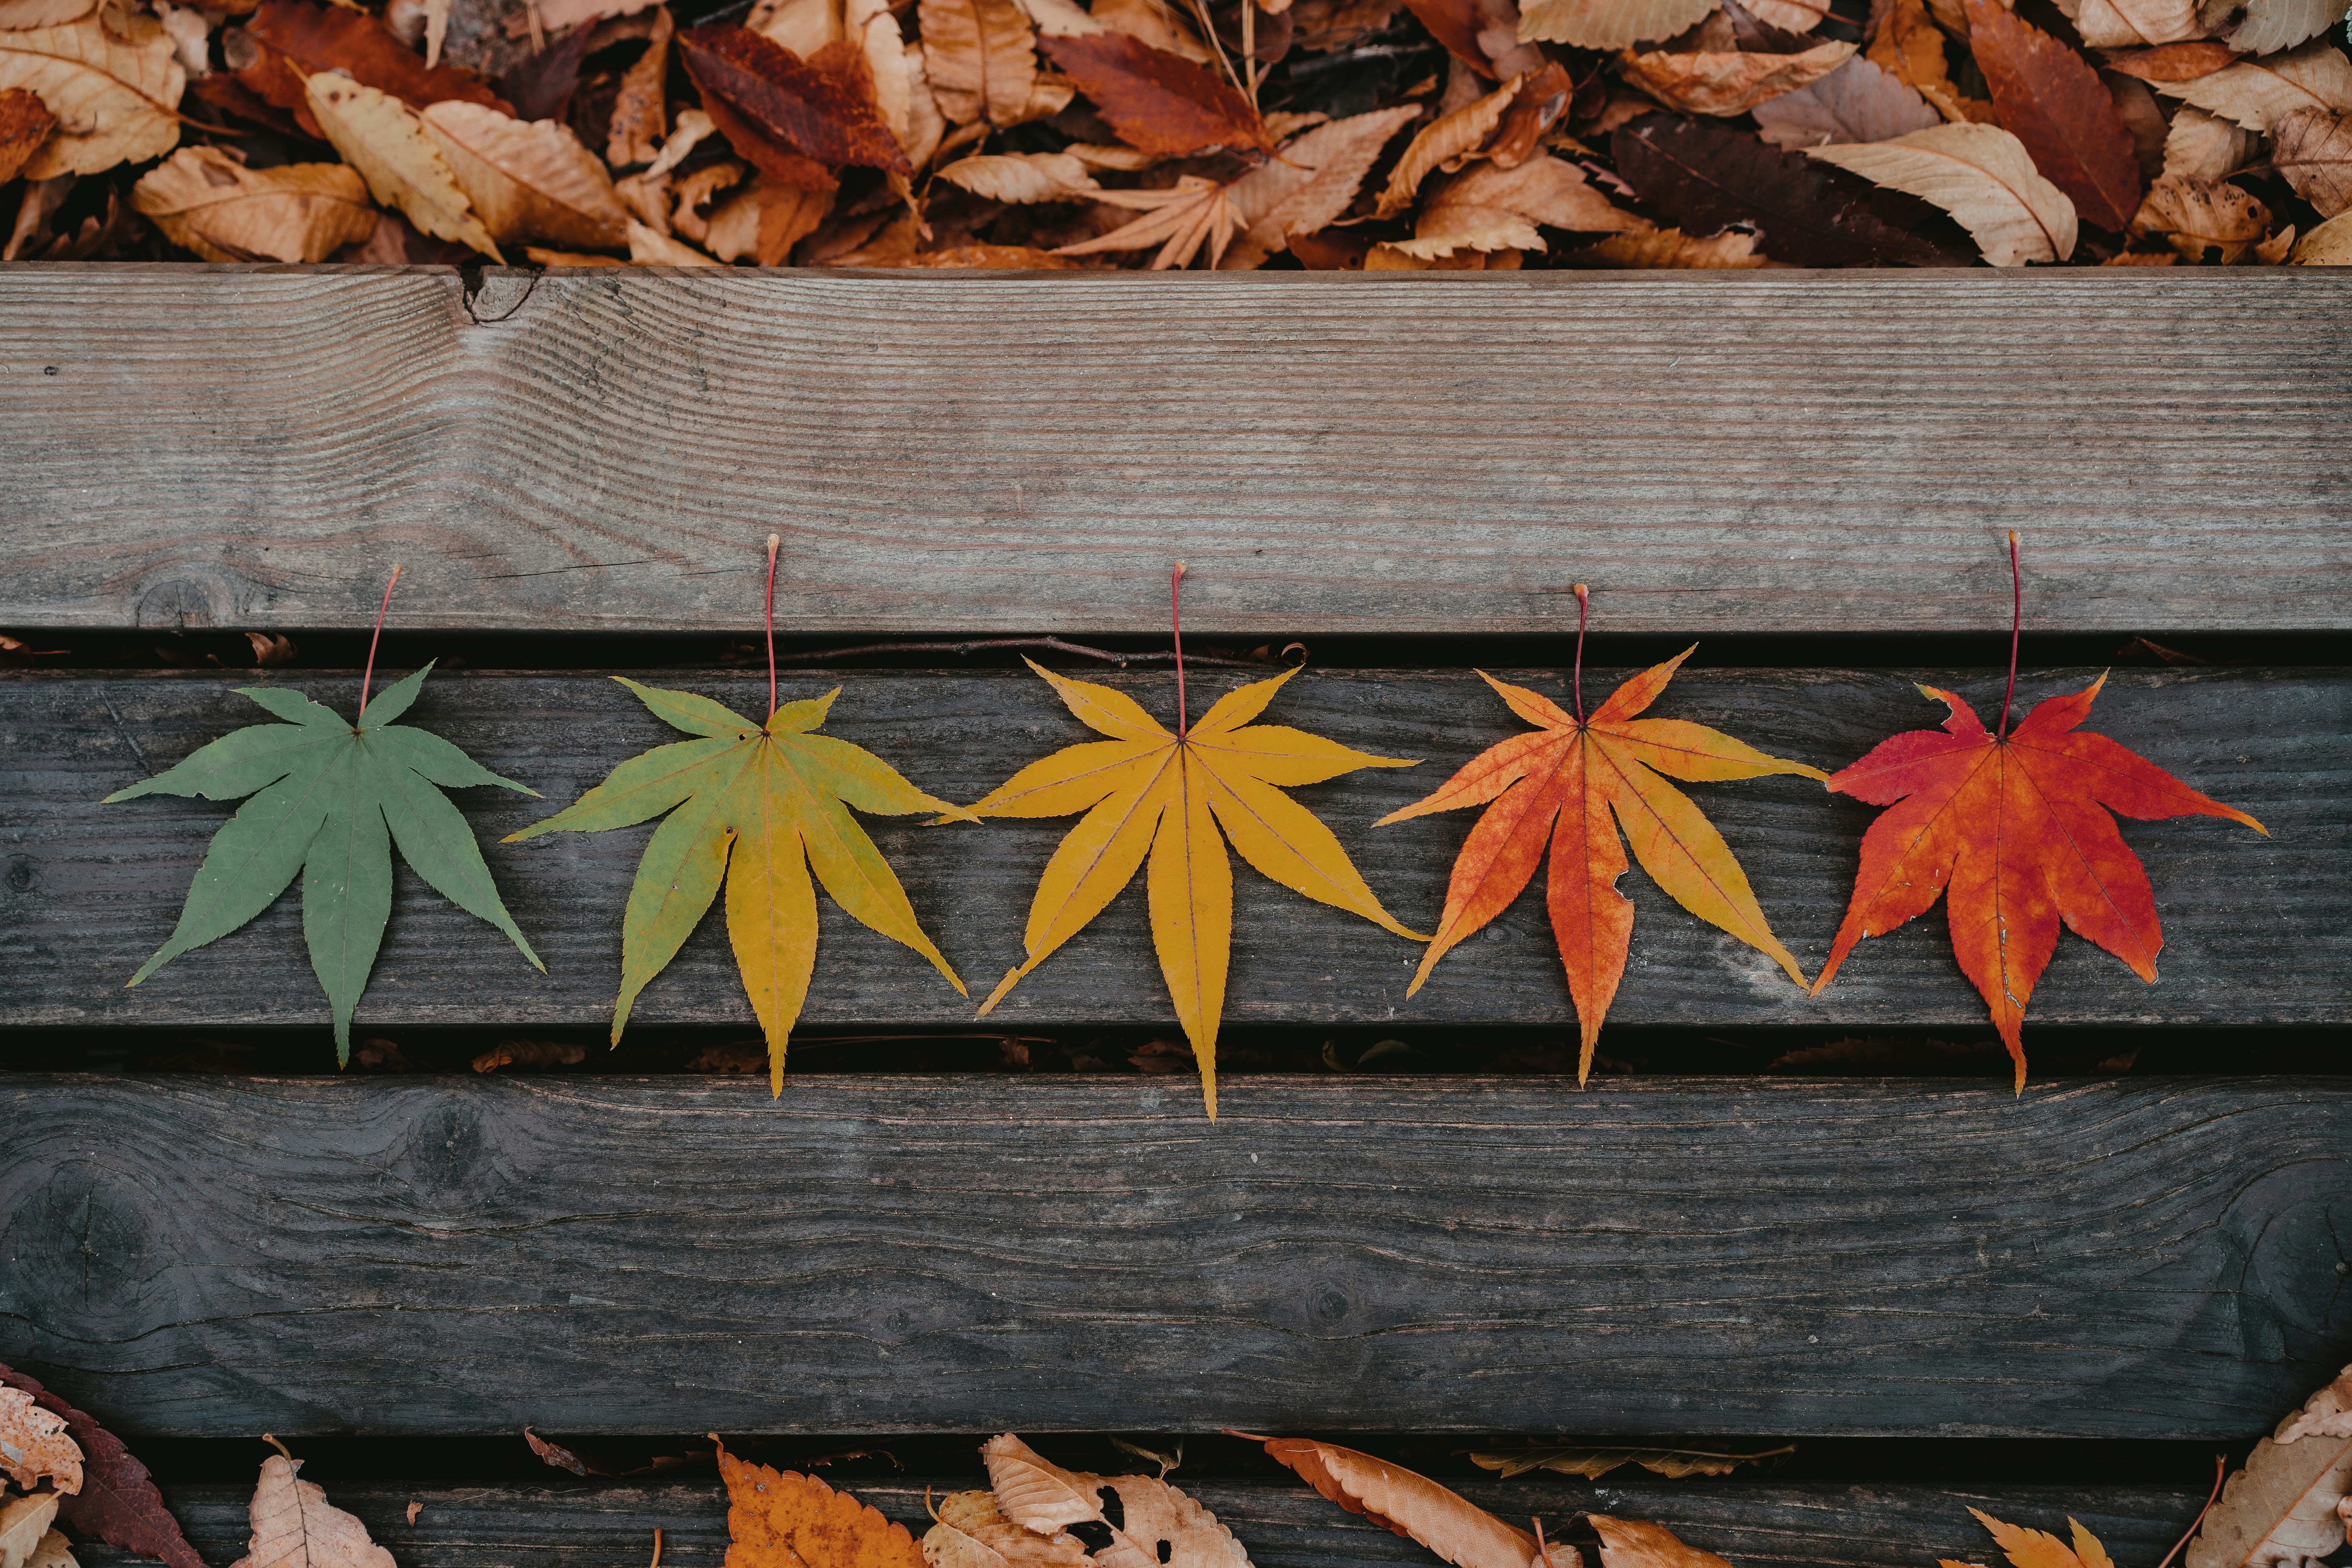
115,92
755,805
2257,93
1592,1463
1983,176
387,143
528,180
2199,215
1707,177
2312,151
24,123
971,1531
1311,183
1446,142
1670,249
1147,791
2284,1506
821,110
34,1445
1156,100
980,59
1718,83
1159,1525
2039,1549
294,1526
2051,99
118,1503
207,201
1554,790
1856,102
1609,23
2015,829
2269,25
780,1518
300,39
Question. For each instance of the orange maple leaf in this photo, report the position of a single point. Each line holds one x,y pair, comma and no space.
2039,1549
780,1518
1555,788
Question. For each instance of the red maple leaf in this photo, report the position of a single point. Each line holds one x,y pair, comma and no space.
2013,830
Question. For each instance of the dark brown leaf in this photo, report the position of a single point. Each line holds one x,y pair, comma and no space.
24,123
1708,177
2051,99
1454,24
540,86
821,108
298,40
1156,101
118,1503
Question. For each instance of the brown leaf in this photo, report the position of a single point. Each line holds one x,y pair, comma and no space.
2282,1508
979,59
765,223
779,1518
2201,146
996,257
1706,177
1153,22
24,1525
2142,119
2050,98
2255,93
1856,102
34,1445
2134,24
528,181
1412,1505
2312,151
1545,94
18,15
1179,220
2174,62
2197,215
1671,248
207,201
1160,1525
115,94
2269,25
1443,143
1156,101
693,192
1910,48
1023,177
556,1454
1311,183
1609,23
1726,84
1637,1543
301,39
294,1526
1594,1462
24,123
386,142
1983,176
973,1532
1454,24
821,110
535,1056
638,125
118,1503
1484,197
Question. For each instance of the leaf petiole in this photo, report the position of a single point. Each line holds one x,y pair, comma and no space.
390,584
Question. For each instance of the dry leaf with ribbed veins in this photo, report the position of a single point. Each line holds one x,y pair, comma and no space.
1797,16
1156,23
2173,62
1148,790
1983,176
1910,48
1554,790
1061,16
1023,177
1540,191
24,1525
2201,146
1707,177
1498,232
115,96
1454,24
386,142
1638,1544
1609,23
1671,249
298,39
34,1446
822,108
765,222
997,258
971,1531
2312,151
1726,84
1412,1505
2039,1549
979,59
24,123
1180,219
294,1526
2284,1506
1311,183
2271,26
2257,93
1592,1463
638,124
528,180
2199,215
1856,102
1158,100
18,15
780,1518
207,201
2051,99
1160,1526
1441,143
2133,24
118,1503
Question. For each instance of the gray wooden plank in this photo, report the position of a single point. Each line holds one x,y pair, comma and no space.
2257,929
1818,1523
214,1257
254,448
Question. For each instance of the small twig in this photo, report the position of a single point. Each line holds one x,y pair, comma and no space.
990,644
2221,1468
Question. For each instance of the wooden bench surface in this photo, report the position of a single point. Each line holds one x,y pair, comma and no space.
255,446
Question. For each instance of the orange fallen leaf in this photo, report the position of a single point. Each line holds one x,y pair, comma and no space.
34,1446
780,1518
1159,1525
1179,220
1158,102
2039,1549
24,123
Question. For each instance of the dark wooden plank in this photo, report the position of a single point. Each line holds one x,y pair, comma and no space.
213,1256
254,447
1821,1524
2258,930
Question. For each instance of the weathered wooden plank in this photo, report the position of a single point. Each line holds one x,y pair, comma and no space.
208,1257
2257,929
254,448
1818,1523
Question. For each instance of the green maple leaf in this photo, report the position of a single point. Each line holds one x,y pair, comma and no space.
755,806
333,798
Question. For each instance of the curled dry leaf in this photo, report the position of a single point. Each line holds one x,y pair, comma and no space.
24,123
971,1531
638,124
118,1503
35,1447
1483,200
1311,185
1412,1505
1609,23
780,1519
294,1526
2201,146
2202,215
980,59
386,142
2051,99
1726,84
1441,143
1856,102
1160,1527
2283,1508
2256,93
765,222
528,180
1180,219
1156,100
1023,177
1909,46
2269,25
1668,249
2312,151
224,211
2135,24
1638,1544
1984,177
115,93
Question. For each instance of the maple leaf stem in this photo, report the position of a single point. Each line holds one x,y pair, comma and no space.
1176,627
768,614
1583,608
374,639
2221,1468
2016,624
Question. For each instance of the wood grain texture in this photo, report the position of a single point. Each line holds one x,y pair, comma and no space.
2257,929
1819,1524
254,448
217,1257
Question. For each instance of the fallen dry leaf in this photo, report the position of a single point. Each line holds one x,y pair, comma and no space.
115,95
118,1503
24,123
2039,1549
387,143
2269,25
2051,99
1668,249
1484,198
1443,143
298,39
780,1518
24,1525
2197,216
2312,151
270,651
2201,146
52,1550
1023,177
2284,1506
528,180
2135,24
1552,792
2256,93
1156,100
2328,245
820,110
294,1526
34,1445
1311,183
1707,177
2173,62
1179,221
532,1055
997,258
1856,102
1638,1544
1609,23
639,122
1159,1526
980,59
17,15
1983,176
765,222
1592,1463
971,1531
1726,84
224,211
